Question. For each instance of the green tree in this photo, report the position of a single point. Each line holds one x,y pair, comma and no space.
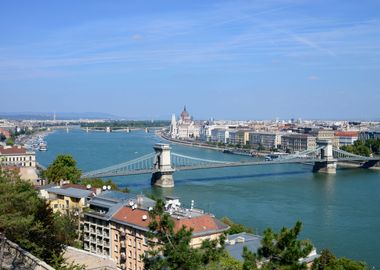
235,227
328,261
359,147
99,183
172,250
283,249
9,142
28,221
64,167
250,259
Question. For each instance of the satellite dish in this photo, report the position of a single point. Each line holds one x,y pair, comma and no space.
104,188
131,203
109,187
144,217
88,186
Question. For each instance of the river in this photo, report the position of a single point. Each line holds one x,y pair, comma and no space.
340,212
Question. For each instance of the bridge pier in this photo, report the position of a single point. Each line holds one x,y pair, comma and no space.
163,171
328,162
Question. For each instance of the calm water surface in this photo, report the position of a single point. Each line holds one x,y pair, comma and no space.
340,212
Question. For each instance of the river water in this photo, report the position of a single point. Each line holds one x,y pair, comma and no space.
340,212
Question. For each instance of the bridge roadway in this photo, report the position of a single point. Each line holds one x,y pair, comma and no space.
230,164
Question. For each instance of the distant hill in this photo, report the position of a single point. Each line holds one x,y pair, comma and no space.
58,115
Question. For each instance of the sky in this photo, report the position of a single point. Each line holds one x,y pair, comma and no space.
309,59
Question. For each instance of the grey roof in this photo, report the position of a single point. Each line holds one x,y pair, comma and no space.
115,195
252,241
114,201
71,192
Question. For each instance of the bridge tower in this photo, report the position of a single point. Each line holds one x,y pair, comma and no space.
163,171
328,162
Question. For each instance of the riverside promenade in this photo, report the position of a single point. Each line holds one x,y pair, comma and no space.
235,151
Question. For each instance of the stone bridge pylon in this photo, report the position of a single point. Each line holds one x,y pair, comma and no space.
328,162
162,175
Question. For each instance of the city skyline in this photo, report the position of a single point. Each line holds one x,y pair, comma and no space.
251,60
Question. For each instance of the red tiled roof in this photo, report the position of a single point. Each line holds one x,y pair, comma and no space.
346,134
134,217
201,224
12,150
6,133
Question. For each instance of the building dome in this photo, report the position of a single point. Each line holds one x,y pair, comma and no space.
185,114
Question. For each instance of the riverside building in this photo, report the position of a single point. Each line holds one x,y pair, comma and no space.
185,128
239,137
346,137
117,226
268,140
298,142
17,156
20,159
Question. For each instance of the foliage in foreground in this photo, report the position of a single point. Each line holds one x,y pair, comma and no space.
174,250
328,261
28,221
279,250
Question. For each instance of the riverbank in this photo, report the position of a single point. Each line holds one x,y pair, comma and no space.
206,146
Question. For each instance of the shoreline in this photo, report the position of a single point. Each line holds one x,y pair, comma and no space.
200,145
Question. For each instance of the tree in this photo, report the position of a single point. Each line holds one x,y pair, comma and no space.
172,250
235,227
28,221
9,142
359,148
328,261
279,250
64,167
250,259
99,183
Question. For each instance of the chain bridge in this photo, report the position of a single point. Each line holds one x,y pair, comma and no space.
162,163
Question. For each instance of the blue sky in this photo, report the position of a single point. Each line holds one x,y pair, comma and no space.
224,59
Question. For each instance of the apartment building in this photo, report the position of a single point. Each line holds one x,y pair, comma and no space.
298,142
365,135
118,227
346,137
220,135
268,140
68,198
17,156
239,137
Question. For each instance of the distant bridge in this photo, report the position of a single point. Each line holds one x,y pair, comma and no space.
163,163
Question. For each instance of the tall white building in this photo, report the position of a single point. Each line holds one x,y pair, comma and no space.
185,127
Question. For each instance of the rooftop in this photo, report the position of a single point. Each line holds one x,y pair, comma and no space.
12,150
70,192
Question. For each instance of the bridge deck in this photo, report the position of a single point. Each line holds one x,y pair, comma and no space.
226,165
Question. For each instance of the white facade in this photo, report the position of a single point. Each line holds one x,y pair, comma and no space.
184,128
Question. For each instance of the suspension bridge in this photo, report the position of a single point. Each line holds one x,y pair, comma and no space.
162,163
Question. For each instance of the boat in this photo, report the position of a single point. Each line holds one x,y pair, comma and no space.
42,146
